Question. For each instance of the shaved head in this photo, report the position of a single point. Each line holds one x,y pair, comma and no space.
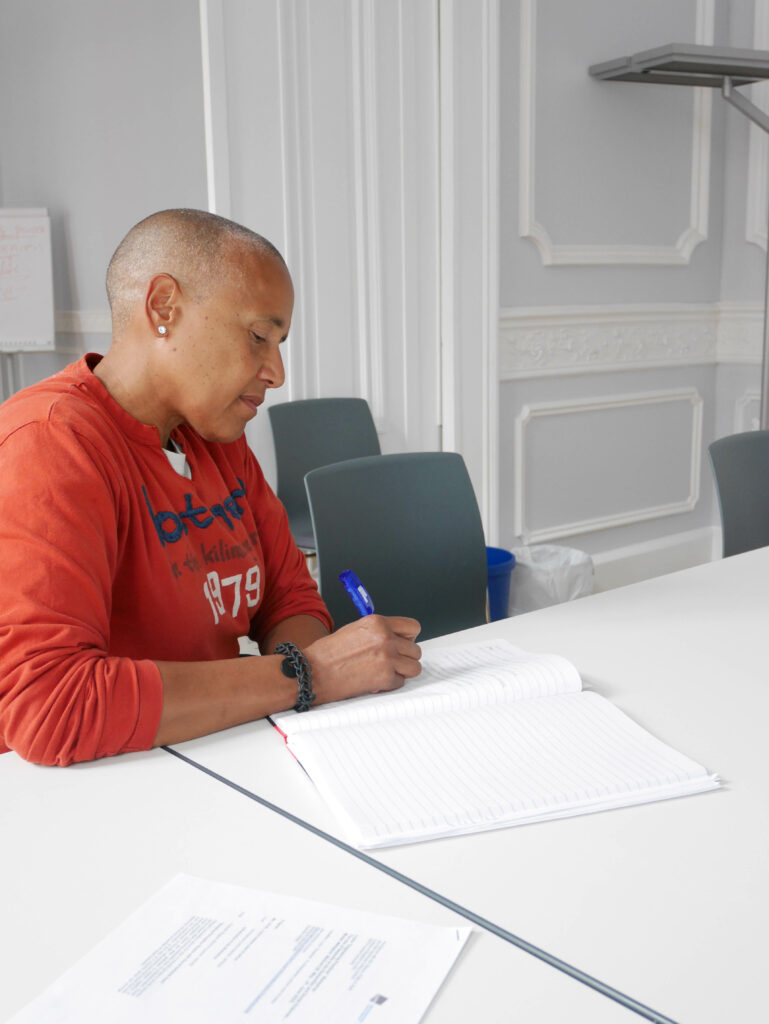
196,248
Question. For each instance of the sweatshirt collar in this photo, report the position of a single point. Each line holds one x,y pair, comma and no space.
144,433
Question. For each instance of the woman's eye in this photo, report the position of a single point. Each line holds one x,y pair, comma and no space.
257,337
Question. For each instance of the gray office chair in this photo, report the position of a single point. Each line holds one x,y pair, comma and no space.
740,466
409,527
315,432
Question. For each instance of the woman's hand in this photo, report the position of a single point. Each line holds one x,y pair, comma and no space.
371,654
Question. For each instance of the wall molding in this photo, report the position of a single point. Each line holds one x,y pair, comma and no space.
756,211
489,255
368,232
530,412
565,340
214,64
295,61
469,243
554,254
740,332
622,566
83,321
741,408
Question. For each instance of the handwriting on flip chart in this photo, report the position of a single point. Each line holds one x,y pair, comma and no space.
26,281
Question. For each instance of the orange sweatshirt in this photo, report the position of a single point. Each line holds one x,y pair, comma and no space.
111,560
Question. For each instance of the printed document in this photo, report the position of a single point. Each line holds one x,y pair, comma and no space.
210,953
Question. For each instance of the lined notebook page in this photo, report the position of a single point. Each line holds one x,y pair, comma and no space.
393,782
453,678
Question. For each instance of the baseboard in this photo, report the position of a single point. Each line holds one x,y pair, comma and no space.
638,562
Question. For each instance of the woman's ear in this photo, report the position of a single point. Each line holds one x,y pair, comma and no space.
161,303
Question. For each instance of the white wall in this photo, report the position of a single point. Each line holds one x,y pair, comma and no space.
631,297
320,125
424,163
101,122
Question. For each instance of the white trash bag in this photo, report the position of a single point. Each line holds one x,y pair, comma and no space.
548,574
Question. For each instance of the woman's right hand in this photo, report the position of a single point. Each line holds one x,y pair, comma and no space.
372,654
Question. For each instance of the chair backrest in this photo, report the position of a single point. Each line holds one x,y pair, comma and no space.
741,469
316,432
409,527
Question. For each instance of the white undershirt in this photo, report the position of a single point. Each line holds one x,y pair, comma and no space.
178,459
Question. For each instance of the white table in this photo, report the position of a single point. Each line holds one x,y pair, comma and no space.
667,902
82,847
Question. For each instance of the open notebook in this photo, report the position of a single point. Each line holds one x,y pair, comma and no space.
487,736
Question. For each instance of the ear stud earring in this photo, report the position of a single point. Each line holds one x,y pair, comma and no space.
162,331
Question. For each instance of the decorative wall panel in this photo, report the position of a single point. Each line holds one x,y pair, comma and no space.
593,464
694,220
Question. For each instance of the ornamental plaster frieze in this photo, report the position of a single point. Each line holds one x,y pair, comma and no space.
551,342
740,333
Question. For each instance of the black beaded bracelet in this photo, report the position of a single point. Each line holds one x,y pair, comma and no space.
296,666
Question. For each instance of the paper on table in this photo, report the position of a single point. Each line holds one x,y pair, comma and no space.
460,677
203,951
489,767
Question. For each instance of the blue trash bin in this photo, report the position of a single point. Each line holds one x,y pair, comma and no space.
499,567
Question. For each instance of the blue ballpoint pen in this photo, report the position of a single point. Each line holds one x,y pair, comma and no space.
359,596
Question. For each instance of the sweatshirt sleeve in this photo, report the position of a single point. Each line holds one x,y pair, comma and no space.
289,587
62,697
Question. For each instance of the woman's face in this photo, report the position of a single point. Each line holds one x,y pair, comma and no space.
224,352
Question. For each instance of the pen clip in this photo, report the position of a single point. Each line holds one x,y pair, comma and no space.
359,596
